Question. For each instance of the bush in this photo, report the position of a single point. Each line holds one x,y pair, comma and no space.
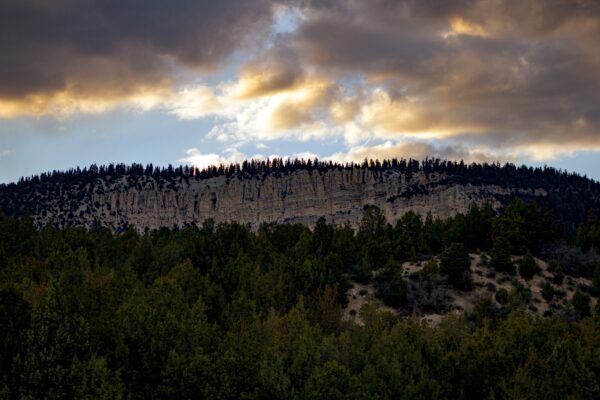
554,266
484,309
456,264
502,296
500,257
363,271
430,268
547,291
391,286
558,277
527,266
581,304
596,282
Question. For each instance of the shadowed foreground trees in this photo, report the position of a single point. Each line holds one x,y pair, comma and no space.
222,312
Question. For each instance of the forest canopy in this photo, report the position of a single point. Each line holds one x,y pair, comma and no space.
222,311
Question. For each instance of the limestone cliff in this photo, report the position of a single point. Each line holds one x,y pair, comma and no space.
303,195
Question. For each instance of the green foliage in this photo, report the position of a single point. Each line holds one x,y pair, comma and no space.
547,291
596,281
456,263
558,275
525,226
581,304
518,298
484,311
502,296
431,267
588,233
332,381
363,271
474,228
501,256
527,266
223,312
57,361
377,253
372,224
14,319
391,286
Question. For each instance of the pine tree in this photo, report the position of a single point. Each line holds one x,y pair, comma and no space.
456,264
500,257
527,266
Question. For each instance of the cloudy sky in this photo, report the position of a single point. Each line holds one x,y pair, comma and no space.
203,81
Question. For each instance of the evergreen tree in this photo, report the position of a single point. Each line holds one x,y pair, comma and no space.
391,286
581,304
372,223
527,266
501,260
14,319
456,264
502,296
596,281
57,361
547,291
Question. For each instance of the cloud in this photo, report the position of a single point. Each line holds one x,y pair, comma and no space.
278,70
202,160
231,156
194,102
387,150
468,78
417,150
88,51
521,75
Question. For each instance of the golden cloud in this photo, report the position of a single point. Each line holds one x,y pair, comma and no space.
67,102
257,83
460,26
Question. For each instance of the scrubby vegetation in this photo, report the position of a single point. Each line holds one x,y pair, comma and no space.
225,312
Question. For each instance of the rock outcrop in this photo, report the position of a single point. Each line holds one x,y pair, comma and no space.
300,196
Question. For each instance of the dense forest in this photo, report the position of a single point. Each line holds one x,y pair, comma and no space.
224,312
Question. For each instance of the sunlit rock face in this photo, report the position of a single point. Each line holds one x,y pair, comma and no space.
301,196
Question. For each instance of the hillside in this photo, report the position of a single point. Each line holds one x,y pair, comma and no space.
483,305
486,285
287,192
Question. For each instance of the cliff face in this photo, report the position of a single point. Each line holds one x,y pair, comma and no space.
300,196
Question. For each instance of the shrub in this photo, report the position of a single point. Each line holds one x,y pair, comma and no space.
547,291
558,277
502,296
391,286
484,309
581,304
456,264
363,271
501,260
527,266
596,281
430,268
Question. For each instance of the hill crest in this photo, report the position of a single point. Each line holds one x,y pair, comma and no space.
290,191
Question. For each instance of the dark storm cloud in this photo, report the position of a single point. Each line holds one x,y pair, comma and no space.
46,45
513,71
278,69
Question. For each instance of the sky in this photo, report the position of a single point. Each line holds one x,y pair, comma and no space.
202,82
